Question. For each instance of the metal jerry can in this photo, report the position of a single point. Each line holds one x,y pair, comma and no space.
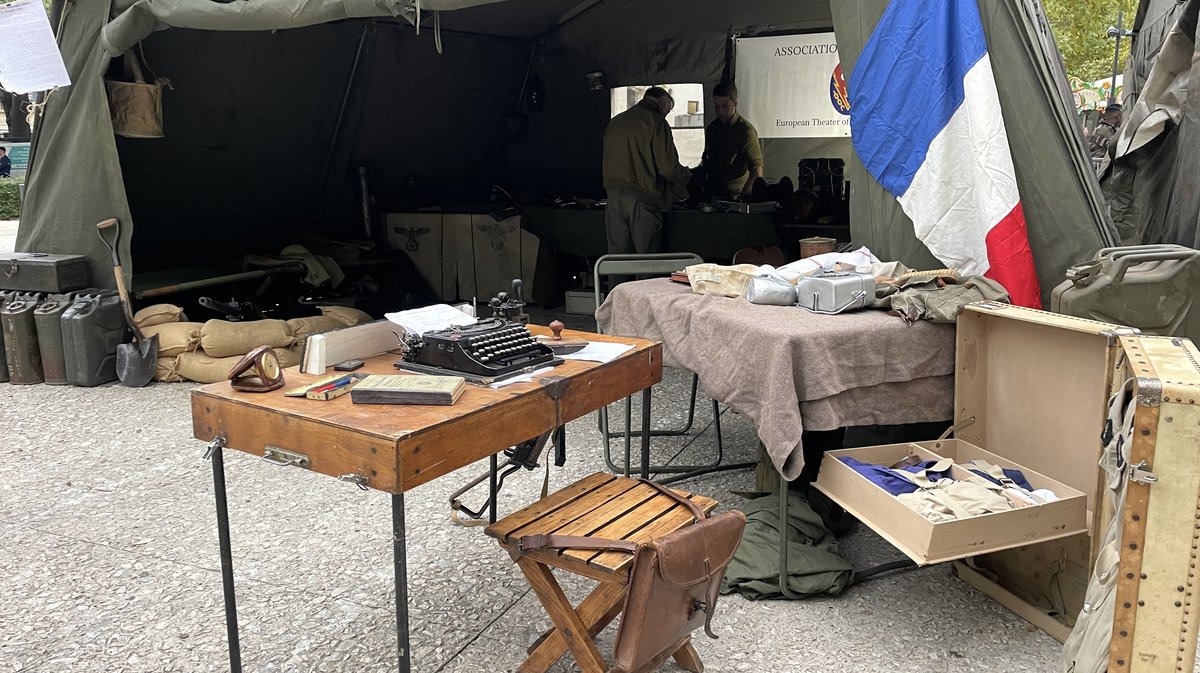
91,329
24,361
1155,288
47,318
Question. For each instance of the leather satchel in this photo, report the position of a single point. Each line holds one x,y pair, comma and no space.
673,584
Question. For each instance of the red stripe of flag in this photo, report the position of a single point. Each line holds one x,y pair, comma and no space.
1011,260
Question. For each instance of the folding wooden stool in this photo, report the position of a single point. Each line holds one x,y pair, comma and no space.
599,506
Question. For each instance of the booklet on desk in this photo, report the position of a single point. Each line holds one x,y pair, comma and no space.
359,341
404,389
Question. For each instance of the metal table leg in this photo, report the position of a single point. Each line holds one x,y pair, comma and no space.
645,434
215,453
784,588
493,488
400,561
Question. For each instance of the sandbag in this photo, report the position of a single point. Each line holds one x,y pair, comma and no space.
204,368
345,315
157,315
302,328
175,337
221,338
165,370
290,357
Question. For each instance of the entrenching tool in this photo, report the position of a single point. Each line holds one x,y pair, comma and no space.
135,361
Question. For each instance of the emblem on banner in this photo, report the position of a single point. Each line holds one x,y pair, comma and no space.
837,91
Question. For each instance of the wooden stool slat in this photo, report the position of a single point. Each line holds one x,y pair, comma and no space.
624,527
565,496
581,508
668,522
609,512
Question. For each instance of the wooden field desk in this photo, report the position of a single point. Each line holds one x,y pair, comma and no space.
395,448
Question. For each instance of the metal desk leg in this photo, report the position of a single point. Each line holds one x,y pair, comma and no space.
645,434
784,535
493,488
400,560
215,453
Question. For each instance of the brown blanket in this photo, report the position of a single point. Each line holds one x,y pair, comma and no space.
789,370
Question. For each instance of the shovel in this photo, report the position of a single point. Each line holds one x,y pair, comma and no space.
135,361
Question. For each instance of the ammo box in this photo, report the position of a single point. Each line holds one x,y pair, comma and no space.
42,272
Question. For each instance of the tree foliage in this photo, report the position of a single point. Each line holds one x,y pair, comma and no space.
1080,28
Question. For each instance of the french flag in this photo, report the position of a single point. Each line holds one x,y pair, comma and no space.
925,121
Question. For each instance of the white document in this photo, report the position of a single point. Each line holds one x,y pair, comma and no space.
429,318
29,57
522,378
599,351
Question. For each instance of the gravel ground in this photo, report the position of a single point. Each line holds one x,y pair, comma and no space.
110,561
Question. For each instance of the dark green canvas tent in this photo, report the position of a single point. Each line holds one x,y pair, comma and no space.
275,102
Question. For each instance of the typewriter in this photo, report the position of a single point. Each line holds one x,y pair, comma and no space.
490,349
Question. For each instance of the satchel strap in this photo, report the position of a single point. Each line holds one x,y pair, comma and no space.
528,543
531,542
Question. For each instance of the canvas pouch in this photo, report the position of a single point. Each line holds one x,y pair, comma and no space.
136,106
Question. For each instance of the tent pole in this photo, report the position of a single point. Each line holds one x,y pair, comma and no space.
337,126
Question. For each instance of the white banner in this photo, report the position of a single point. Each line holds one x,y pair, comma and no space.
791,86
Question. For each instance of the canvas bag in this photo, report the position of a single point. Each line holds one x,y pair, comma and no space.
673,584
136,106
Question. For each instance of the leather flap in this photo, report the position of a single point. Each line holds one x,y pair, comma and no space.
691,555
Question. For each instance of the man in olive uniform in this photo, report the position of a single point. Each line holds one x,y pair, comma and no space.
732,154
640,166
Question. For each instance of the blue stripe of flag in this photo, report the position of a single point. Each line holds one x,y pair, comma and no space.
908,82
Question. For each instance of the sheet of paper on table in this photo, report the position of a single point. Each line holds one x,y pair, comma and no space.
522,378
429,318
599,351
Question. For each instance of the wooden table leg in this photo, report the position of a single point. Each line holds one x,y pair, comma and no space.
596,612
563,616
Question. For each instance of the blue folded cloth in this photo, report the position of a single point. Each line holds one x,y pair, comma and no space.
888,480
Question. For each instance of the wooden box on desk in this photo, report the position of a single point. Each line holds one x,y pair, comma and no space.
1031,390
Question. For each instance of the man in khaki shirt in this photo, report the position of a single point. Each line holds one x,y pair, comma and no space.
732,154
640,166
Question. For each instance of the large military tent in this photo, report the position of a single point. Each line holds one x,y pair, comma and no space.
276,101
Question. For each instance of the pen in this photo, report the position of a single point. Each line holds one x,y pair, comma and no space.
334,384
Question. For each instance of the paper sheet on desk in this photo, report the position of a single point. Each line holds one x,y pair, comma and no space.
522,378
599,351
429,318
29,60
